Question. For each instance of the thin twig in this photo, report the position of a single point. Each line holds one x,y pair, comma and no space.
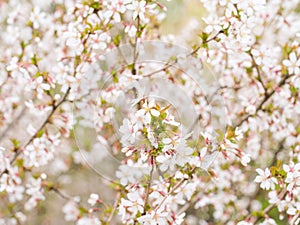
62,195
173,190
270,207
189,204
258,72
265,99
117,199
54,108
16,120
122,55
148,188
135,53
174,61
273,162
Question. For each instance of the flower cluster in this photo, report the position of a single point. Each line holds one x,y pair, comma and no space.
204,134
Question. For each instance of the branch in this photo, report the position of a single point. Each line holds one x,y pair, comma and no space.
206,42
62,195
135,53
148,188
173,189
265,99
258,72
10,125
192,53
270,207
273,162
114,208
279,149
189,204
54,108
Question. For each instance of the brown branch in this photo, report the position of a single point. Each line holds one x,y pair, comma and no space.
279,149
62,195
258,72
206,42
148,189
270,207
265,99
114,208
10,125
174,61
135,53
189,204
273,162
54,108
174,189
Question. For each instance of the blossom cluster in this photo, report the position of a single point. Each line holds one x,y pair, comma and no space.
107,118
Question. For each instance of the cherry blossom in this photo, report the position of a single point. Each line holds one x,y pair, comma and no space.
148,110
122,112
293,175
133,205
293,63
71,211
86,220
265,179
129,131
154,218
93,199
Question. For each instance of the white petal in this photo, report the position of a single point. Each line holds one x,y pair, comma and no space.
287,63
260,172
267,172
154,112
258,179
293,57
286,168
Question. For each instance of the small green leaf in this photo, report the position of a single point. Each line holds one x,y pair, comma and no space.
117,40
16,143
221,135
19,162
39,133
230,133
163,115
204,36
96,5
34,59
294,90
115,76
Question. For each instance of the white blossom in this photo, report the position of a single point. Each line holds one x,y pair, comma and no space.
265,179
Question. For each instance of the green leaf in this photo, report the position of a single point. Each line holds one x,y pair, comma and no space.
204,36
249,70
115,76
117,40
230,133
96,5
39,133
23,45
258,214
163,115
34,59
221,135
294,90
19,162
16,143
82,210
